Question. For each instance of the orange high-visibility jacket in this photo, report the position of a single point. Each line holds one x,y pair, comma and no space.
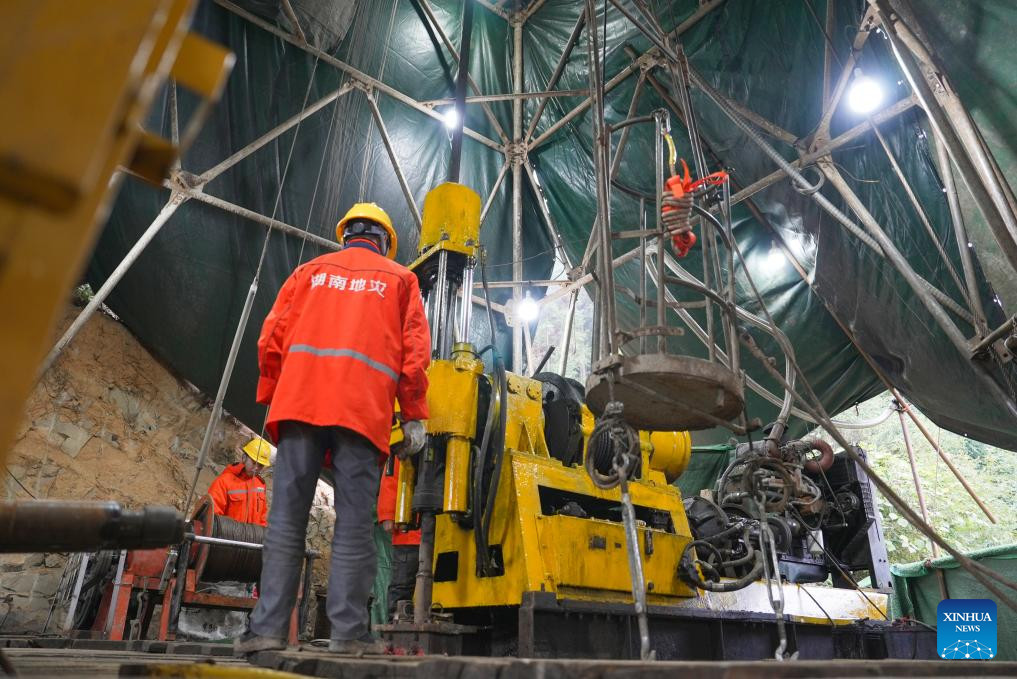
387,503
346,336
239,496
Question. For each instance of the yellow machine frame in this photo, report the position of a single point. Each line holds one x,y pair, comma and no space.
571,556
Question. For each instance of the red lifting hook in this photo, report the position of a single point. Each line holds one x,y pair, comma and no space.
682,188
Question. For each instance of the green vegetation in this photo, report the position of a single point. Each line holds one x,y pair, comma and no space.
82,295
991,472
549,333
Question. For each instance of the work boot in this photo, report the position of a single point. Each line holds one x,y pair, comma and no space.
365,645
249,642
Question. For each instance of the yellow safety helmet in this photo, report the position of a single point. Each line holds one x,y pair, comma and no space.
371,212
259,450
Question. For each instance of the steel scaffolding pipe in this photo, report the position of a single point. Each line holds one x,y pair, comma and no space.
356,74
923,217
577,32
176,199
468,8
463,58
516,157
601,164
952,125
915,282
914,475
961,236
387,141
270,136
545,211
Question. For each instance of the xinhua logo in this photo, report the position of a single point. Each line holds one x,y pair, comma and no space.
966,629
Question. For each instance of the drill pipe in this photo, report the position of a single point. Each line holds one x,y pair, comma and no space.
71,526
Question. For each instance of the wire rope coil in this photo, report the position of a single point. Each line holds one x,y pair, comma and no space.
613,449
226,563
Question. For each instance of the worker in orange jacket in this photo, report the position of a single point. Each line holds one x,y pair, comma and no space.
239,492
346,336
405,544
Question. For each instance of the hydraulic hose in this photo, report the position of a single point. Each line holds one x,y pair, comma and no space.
825,460
493,439
690,575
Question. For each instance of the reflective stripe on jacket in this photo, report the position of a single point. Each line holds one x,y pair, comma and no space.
387,502
239,496
346,336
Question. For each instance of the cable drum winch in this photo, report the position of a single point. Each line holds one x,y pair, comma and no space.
226,563
613,450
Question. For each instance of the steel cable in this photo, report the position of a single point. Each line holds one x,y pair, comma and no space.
225,562
613,449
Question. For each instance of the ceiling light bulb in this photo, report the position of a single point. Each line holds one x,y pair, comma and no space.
528,309
774,259
865,94
451,118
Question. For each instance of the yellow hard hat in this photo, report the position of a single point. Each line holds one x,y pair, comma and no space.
372,212
259,450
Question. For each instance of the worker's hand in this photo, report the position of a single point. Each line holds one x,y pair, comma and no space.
414,438
388,526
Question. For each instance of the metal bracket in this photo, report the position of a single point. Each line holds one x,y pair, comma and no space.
364,87
516,152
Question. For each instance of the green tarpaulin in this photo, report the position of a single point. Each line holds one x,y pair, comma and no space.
705,467
184,296
918,589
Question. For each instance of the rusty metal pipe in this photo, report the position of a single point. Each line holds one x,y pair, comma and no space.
1007,328
72,526
425,576
179,585
305,590
825,460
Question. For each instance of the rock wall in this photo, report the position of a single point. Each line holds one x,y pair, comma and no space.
107,422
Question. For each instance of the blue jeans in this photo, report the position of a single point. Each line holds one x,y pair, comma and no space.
355,463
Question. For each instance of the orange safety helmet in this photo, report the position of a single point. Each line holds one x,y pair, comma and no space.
370,212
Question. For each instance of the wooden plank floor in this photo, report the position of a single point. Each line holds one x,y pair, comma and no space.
322,664
64,663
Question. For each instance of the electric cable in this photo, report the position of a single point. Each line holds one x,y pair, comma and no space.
820,412
492,440
213,420
612,443
978,571
815,407
816,601
844,573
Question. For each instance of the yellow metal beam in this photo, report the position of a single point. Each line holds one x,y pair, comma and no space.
76,85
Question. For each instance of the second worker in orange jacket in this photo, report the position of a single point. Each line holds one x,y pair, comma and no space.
239,491
405,544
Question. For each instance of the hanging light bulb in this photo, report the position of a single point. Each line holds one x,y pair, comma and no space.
774,259
451,118
865,94
528,309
